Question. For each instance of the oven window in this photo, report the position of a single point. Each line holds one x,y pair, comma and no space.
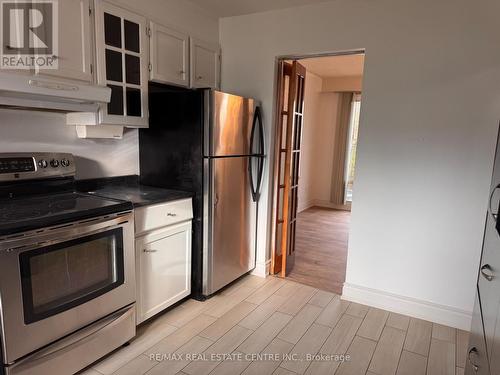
61,276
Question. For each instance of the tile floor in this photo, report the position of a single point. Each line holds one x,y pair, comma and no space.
285,321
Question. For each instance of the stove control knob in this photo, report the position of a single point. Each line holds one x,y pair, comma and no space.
43,163
54,163
65,162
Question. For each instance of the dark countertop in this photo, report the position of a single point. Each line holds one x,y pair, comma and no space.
128,188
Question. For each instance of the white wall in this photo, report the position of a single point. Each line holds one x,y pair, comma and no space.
431,104
23,131
342,84
324,147
318,141
41,131
312,94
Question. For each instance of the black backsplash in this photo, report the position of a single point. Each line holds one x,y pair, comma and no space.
96,183
171,154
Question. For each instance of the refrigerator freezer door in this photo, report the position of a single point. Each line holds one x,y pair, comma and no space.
228,124
229,249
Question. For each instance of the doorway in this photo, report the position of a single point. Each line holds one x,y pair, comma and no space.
317,121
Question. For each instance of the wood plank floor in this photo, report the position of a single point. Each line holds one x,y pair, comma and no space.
321,248
275,326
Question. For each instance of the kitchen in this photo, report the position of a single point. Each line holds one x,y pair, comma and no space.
94,145
98,256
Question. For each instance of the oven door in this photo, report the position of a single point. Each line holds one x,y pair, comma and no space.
55,281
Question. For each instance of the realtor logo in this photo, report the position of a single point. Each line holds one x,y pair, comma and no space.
29,34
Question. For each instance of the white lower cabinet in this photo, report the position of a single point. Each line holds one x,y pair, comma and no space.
163,267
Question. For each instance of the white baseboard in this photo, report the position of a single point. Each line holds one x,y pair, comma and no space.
433,312
262,268
328,204
324,204
305,206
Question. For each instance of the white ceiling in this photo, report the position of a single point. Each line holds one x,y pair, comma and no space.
335,66
229,8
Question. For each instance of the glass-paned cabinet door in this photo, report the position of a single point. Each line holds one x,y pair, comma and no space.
122,51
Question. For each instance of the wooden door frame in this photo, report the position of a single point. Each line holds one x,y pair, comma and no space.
274,148
279,102
286,145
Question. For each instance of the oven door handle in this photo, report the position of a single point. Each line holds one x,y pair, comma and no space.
110,321
62,233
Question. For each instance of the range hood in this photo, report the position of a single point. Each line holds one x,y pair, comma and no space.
44,93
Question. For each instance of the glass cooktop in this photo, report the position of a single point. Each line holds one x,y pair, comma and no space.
34,212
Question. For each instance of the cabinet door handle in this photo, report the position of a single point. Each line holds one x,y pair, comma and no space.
474,351
490,209
150,251
181,72
486,271
171,214
199,77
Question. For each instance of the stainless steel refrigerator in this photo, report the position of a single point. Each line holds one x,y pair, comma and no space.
210,143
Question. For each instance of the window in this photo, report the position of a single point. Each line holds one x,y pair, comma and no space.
352,146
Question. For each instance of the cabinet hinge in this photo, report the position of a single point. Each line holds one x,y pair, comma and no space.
150,67
148,31
90,11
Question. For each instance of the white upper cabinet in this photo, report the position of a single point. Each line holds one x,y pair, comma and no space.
205,64
75,41
122,64
169,51
120,49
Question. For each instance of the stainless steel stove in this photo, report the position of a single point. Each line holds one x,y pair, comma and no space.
67,277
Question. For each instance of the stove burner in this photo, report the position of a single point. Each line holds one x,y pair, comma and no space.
37,190
25,209
32,208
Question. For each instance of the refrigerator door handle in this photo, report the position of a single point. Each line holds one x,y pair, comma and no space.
259,177
257,121
252,132
258,115
252,186
257,155
260,170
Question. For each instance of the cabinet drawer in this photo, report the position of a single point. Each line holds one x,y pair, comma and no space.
160,215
